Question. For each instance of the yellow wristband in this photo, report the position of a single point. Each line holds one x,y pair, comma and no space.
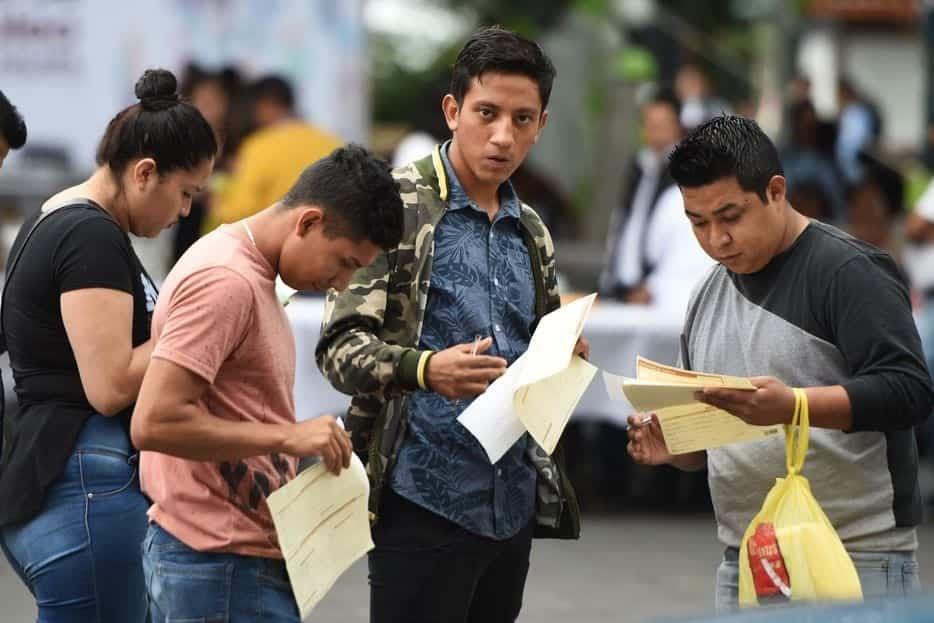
422,364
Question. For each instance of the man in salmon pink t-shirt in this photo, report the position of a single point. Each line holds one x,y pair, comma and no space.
215,416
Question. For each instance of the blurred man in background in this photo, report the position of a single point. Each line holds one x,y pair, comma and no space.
652,255
270,160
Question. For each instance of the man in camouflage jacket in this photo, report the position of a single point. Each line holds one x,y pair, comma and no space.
368,345
452,531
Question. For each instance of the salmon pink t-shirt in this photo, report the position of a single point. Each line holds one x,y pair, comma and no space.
218,317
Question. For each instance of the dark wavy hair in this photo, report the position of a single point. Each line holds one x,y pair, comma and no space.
358,194
498,50
162,126
726,146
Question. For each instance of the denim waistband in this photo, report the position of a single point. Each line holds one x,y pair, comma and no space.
105,433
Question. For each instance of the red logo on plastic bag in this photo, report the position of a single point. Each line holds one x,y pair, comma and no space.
769,574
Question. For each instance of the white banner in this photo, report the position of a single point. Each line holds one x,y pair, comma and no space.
69,65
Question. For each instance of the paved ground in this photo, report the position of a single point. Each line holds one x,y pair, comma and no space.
625,568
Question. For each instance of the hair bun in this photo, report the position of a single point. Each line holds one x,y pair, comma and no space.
157,89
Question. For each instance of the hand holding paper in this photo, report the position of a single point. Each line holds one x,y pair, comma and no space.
323,526
539,391
687,424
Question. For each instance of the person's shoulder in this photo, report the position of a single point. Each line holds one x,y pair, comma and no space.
418,183
80,212
224,284
297,133
829,248
219,249
83,224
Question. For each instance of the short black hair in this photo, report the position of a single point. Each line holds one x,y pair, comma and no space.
275,88
161,126
726,146
496,49
664,96
358,194
12,126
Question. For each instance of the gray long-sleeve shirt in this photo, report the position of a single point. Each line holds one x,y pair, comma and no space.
830,310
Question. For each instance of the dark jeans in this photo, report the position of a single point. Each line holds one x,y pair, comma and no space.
79,556
425,568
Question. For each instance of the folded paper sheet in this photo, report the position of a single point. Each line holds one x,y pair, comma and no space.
539,391
688,425
323,526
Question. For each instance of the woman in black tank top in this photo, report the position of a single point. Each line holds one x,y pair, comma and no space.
75,319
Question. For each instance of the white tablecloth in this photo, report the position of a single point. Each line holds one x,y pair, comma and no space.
617,333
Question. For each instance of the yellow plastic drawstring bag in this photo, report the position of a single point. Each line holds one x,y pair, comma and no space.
790,551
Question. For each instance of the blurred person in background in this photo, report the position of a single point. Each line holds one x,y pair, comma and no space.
811,200
859,128
76,320
874,206
12,128
698,103
652,256
919,261
269,160
807,159
211,93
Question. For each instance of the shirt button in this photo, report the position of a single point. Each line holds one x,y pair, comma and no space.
495,281
499,471
497,327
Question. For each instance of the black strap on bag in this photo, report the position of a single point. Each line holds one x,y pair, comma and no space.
11,266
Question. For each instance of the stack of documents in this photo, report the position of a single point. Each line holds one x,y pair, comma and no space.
539,391
687,424
323,526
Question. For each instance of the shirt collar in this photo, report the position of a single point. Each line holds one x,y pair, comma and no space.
458,198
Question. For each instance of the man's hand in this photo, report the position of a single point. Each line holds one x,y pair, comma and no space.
646,442
457,373
322,436
772,402
639,295
582,348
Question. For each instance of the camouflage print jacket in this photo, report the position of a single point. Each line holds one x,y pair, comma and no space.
369,341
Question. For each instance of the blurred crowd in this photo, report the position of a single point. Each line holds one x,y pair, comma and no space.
264,147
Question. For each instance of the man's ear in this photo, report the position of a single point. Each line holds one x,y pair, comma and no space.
775,190
542,121
451,111
309,217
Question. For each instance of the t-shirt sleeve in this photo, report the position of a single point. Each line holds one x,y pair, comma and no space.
208,316
870,316
93,254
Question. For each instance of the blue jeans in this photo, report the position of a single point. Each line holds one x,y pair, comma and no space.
188,586
881,574
79,556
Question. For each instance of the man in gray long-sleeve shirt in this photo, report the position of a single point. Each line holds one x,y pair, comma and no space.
808,306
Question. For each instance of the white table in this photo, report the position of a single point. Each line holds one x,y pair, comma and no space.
617,333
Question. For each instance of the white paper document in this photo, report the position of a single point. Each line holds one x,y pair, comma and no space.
323,525
539,391
491,417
